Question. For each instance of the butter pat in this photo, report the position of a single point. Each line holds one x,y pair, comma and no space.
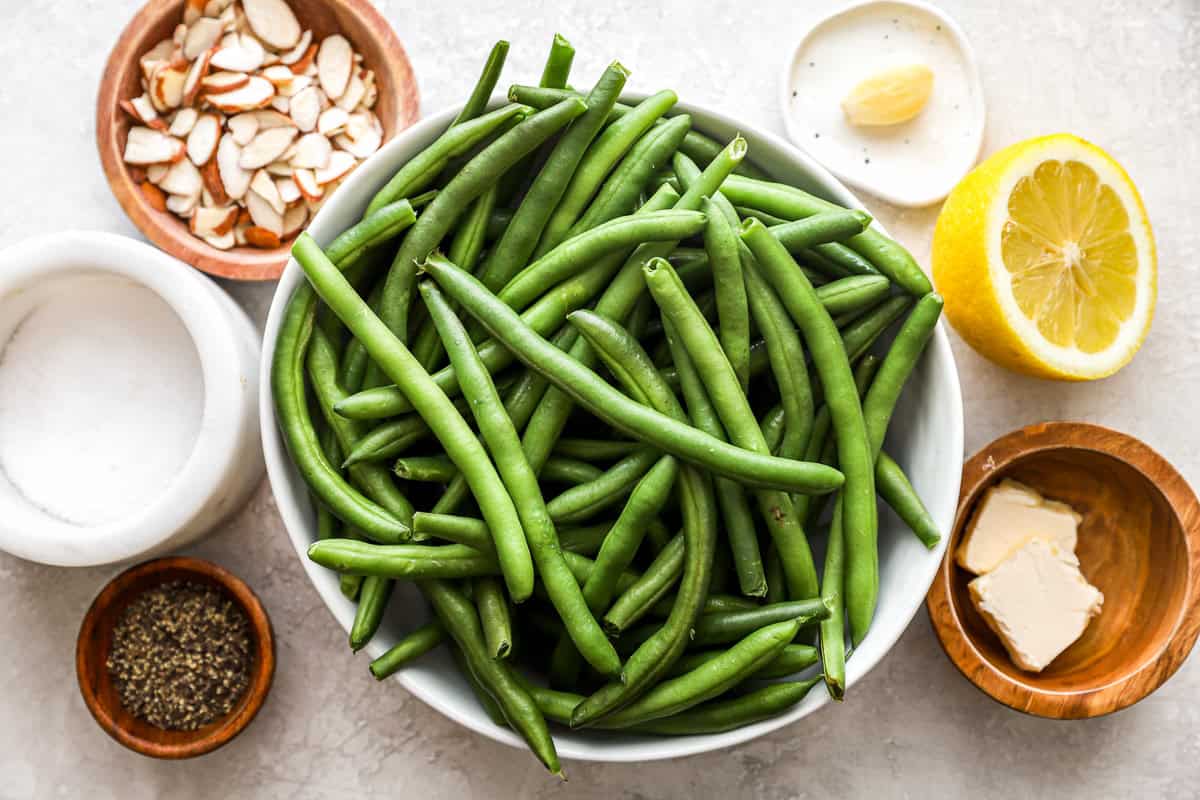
1009,516
1037,601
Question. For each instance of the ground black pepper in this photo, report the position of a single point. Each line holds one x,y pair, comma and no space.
180,655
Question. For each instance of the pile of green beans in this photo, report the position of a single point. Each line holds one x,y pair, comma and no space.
600,431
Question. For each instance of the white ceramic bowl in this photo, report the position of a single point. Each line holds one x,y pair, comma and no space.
928,443
225,464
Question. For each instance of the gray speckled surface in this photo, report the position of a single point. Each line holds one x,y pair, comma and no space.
1126,74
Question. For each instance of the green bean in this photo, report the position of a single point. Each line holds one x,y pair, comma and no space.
493,616
653,584
786,355
729,626
792,659
854,293
776,583
770,220
426,469
593,449
588,499
402,560
858,337
702,349
603,154
558,64
833,590
733,310
544,317
520,480
467,531
559,469
726,715
436,220
710,679
580,251
461,622
713,604
376,227
897,492
349,585
420,170
352,366
855,457
656,655
827,226
586,540
372,602
583,385
731,498
388,440
489,704
409,649
435,408
520,237
620,191
322,478
481,94
791,203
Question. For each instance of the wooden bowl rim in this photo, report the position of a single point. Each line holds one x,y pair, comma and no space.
978,472
256,693
241,264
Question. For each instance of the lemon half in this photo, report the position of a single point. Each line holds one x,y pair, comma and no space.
1046,259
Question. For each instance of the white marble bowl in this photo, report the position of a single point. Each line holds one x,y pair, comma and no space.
927,440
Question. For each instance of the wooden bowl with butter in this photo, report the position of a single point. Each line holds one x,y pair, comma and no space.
1138,542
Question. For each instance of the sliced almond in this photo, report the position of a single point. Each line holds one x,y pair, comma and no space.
273,22
239,233
269,118
183,178
306,109
340,164
280,169
312,152
257,236
335,60
155,196
235,179
267,146
148,146
212,221
206,198
257,93
246,56
264,186
183,121
231,38
210,173
191,84
363,135
294,219
307,63
213,8
371,96
166,88
201,36
264,214
355,91
306,182
225,242
140,108
155,56
202,141
138,174
297,52
220,82
289,193
243,127
179,34
279,75
183,205
297,84
156,172
332,121
192,11
281,104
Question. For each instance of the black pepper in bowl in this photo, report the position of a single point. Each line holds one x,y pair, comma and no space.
181,655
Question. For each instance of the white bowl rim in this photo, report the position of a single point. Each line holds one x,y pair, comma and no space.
289,505
37,536
979,111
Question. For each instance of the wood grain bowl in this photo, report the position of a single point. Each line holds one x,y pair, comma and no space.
368,32
1139,543
95,640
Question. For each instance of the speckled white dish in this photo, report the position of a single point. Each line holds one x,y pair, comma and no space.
915,163
928,445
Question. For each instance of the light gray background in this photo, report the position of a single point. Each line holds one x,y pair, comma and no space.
1123,73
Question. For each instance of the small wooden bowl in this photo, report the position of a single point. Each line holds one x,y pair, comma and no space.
1139,543
358,20
95,640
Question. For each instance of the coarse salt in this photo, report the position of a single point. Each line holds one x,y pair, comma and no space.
101,401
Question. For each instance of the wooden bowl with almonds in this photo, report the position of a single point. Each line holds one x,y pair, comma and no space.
223,125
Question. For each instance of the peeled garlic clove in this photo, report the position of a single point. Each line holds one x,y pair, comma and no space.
890,97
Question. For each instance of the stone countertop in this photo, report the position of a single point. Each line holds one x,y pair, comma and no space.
1124,74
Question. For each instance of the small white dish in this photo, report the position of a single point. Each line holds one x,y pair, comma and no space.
928,446
915,163
225,464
